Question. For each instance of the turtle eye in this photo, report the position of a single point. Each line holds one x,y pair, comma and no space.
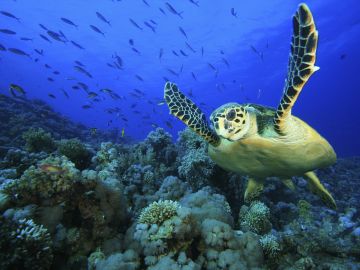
231,115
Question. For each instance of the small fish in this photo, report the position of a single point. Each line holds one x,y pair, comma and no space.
41,52
26,39
50,79
183,53
82,70
93,131
16,88
65,93
69,22
63,35
56,72
94,28
175,53
83,85
119,60
162,11
212,67
260,54
86,107
173,10
172,72
195,3
150,26
146,3
161,52
139,77
8,14
342,56
106,90
259,93
52,169
226,62
161,103
18,52
168,124
136,50
55,36
139,91
77,45
233,12
131,42
193,75
183,32
79,63
101,17
153,22
191,48
122,132
43,27
135,24
2,48
45,38
7,31
52,96
202,51
190,93
92,95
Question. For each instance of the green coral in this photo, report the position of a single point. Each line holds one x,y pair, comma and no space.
158,212
76,152
24,245
36,184
270,246
255,218
305,210
37,140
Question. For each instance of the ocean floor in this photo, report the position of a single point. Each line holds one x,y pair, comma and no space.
73,198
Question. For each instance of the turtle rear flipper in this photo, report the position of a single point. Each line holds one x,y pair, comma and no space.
317,188
186,110
301,64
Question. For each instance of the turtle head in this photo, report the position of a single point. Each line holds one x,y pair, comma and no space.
230,121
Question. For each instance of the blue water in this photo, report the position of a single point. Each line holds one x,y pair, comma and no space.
329,101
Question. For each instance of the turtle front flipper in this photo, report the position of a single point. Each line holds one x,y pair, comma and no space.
186,110
301,64
317,188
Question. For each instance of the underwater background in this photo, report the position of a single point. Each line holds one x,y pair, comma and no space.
96,174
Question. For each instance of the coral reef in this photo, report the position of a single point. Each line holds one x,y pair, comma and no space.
99,205
37,140
76,151
255,218
24,245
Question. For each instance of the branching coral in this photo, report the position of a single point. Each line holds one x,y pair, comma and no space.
270,246
255,218
76,151
24,245
158,212
36,184
38,140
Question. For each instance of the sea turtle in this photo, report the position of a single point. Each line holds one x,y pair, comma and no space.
260,141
